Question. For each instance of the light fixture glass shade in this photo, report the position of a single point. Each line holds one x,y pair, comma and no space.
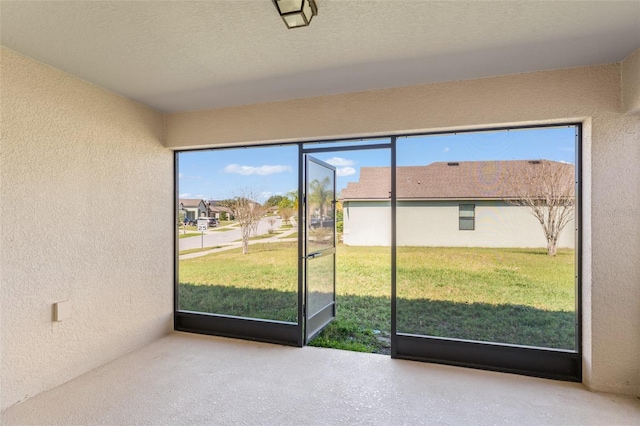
288,6
296,13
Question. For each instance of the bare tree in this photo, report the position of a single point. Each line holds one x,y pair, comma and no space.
547,189
271,221
258,211
286,213
246,212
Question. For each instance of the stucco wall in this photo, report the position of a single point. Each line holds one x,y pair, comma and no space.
436,224
367,223
631,83
84,160
615,263
522,98
592,95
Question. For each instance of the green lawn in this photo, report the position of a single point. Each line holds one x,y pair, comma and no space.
197,250
259,237
514,296
294,235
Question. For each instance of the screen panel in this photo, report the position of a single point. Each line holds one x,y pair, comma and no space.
478,258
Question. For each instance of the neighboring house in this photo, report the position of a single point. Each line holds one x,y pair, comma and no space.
457,204
215,210
194,208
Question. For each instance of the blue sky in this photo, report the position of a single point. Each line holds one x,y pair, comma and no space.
223,173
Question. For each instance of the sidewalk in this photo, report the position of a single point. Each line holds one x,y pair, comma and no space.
278,238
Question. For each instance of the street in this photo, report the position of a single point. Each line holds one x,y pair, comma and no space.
230,239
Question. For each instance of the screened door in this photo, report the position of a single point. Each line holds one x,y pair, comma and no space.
319,246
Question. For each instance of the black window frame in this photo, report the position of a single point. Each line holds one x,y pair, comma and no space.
531,361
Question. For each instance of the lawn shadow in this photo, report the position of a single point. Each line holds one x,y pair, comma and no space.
503,323
237,301
364,322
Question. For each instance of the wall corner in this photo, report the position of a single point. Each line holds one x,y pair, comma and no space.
630,83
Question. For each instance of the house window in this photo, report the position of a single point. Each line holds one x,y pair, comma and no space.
467,217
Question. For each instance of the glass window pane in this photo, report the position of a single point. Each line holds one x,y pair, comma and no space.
245,263
505,281
320,197
466,224
467,210
320,283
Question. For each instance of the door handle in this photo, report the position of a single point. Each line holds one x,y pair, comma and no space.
313,255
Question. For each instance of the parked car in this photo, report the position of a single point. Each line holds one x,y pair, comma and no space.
320,223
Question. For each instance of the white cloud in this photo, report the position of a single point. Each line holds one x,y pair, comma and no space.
446,149
184,195
251,170
180,175
264,195
345,171
199,195
339,161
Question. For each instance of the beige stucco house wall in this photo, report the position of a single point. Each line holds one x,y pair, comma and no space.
436,224
66,142
72,146
611,170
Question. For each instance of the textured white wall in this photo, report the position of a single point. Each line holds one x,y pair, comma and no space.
436,224
77,162
592,95
631,83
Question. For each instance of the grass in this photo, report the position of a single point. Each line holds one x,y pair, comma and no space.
189,235
259,237
518,296
198,250
294,235
265,288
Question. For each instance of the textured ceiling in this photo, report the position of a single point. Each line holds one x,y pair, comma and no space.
189,55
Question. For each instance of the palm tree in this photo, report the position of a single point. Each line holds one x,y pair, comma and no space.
320,193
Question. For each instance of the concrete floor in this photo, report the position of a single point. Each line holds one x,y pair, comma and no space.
201,380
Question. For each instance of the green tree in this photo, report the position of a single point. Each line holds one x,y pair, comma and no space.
320,194
274,200
288,206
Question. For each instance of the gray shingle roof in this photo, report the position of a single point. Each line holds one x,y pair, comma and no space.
459,180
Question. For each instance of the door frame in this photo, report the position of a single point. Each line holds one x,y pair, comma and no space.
302,173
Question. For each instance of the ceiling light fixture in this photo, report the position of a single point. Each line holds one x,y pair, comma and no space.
296,13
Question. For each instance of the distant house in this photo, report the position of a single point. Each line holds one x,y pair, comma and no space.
194,208
215,210
457,204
